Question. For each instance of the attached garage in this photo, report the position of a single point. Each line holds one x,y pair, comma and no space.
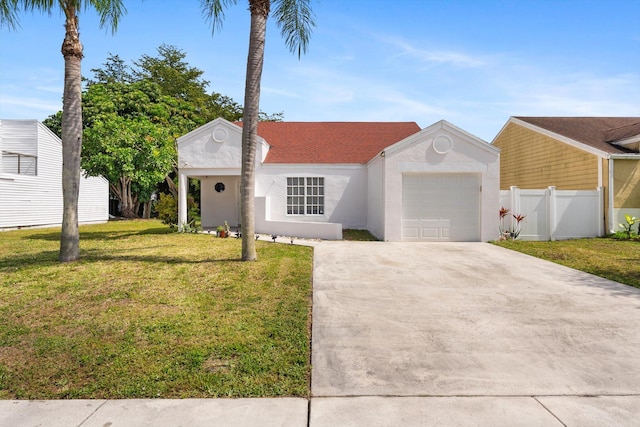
441,184
441,207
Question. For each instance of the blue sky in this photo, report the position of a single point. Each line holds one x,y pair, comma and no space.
473,63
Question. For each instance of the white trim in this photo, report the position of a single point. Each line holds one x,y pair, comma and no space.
610,197
557,136
600,177
630,156
626,141
194,172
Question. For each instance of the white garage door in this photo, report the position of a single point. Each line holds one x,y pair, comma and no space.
441,207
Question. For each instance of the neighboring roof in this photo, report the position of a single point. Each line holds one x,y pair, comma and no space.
597,132
330,142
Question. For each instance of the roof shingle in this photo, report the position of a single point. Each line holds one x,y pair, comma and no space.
596,132
330,142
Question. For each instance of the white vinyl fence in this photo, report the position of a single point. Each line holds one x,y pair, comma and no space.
555,214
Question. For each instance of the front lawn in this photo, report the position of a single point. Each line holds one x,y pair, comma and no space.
617,260
149,313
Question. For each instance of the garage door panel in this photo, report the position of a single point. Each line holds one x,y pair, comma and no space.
441,207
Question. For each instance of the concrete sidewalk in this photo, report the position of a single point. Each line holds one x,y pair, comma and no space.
454,334
369,411
155,412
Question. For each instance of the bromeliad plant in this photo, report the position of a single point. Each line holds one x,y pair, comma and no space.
630,221
510,232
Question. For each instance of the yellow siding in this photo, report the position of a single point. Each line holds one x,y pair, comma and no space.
531,160
626,181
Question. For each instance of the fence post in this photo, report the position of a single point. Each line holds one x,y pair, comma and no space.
552,212
601,227
515,204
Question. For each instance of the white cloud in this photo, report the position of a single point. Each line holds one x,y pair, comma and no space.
52,89
7,102
279,92
432,56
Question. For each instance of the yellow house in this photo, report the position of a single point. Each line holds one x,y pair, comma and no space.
575,153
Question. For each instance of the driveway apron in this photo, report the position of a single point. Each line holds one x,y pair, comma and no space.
467,320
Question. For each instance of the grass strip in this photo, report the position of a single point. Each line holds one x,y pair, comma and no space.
617,260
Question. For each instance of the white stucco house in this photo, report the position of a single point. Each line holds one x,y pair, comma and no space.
31,180
314,179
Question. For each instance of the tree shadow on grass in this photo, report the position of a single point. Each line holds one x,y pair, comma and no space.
100,235
50,258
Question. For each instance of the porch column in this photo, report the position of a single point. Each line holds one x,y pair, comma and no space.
183,184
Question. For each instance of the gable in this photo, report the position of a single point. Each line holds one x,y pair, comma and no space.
532,159
218,144
443,141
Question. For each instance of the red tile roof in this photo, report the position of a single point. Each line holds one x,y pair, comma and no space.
596,132
330,142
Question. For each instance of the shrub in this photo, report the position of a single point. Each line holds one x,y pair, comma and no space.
167,208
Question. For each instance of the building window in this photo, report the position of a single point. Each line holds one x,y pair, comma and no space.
305,196
21,164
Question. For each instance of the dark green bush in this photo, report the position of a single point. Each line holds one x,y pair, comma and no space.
167,209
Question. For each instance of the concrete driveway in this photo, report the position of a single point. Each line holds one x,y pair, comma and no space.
429,333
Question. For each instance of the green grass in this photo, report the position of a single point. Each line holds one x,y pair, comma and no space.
149,313
360,235
617,260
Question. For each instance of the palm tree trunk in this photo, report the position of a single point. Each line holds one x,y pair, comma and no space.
259,12
71,137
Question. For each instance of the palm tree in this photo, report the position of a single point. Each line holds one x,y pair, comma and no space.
295,20
110,11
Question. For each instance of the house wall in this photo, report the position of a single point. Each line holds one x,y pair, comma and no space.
345,192
375,197
626,181
467,155
27,201
218,207
532,160
626,184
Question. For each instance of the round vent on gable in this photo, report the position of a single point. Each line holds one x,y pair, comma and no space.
219,134
442,144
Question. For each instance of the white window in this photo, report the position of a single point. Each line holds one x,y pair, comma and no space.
18,163
305,196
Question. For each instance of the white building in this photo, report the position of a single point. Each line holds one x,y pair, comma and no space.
31,179
314,179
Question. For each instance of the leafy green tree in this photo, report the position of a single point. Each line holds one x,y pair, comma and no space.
115,71
295,19
176,78
110,12
117,99
172,74
128,139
